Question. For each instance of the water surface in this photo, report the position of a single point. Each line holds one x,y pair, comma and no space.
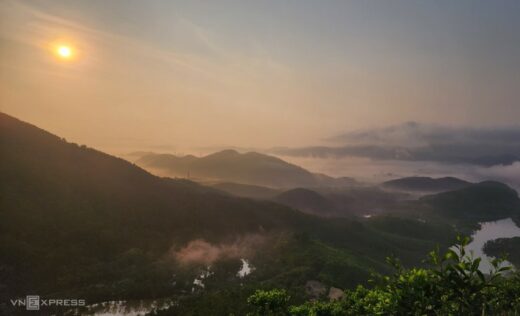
504,228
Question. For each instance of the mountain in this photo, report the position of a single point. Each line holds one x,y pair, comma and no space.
250,168
322,201
246,190
75,222
71,214
485,201
426,184
361,201
307,201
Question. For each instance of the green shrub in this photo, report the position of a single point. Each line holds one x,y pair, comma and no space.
453,286
269,303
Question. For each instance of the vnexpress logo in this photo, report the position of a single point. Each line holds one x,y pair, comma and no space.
34,302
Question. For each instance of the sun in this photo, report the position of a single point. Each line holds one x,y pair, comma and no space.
65,52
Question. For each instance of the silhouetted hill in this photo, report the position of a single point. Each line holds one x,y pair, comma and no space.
363,200
487,200
246,190
307,201
426,184
323,201
250,168
342,201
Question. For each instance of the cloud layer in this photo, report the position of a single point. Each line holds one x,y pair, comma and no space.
419,142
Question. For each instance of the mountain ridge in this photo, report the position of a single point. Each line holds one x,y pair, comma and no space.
426,184
250,168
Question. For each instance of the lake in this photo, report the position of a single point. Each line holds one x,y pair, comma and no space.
504,228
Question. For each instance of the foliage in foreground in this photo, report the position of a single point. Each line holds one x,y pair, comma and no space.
453,286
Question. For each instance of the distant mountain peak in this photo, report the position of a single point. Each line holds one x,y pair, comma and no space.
225,152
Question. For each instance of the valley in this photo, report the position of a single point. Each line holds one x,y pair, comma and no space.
99,227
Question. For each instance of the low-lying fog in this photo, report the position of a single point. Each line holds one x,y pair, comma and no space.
375,171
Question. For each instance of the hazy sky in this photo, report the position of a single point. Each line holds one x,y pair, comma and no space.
171,75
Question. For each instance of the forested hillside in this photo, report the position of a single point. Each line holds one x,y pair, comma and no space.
79,222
